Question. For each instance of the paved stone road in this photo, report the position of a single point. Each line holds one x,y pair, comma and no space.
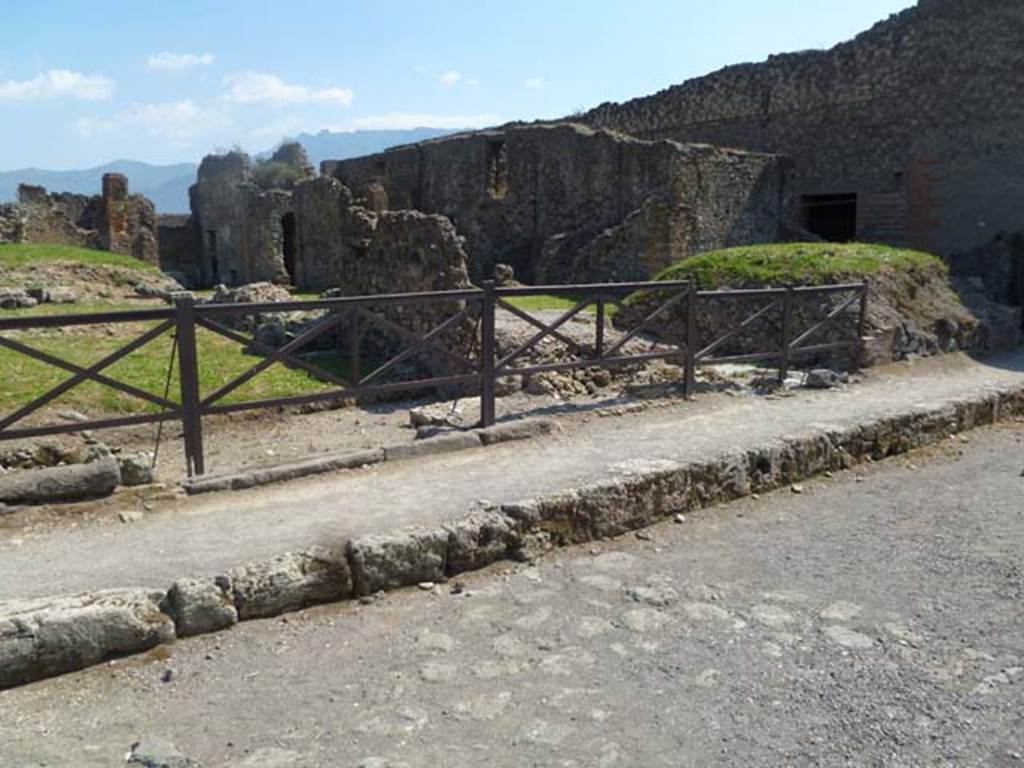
875,619
209,534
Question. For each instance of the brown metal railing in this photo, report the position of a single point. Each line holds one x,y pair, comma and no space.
479,368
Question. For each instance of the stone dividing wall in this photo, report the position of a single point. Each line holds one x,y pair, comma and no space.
922,117
113,221
344,244
532,196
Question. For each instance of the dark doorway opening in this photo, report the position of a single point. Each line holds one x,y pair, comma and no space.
288,245
211,251
832,217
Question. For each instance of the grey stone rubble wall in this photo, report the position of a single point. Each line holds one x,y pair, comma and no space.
45,637
520,193
921,116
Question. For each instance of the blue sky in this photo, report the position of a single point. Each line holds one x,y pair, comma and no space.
82,83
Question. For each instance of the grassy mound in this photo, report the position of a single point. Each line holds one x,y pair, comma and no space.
18,255
912,308
798,264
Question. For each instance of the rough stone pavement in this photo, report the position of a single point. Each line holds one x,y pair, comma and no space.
204,536
874,620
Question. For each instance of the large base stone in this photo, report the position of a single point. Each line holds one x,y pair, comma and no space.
46,637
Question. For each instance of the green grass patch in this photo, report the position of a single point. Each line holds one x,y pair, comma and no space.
220,360
25,254
796,263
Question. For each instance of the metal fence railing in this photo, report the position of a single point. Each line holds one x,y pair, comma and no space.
470,355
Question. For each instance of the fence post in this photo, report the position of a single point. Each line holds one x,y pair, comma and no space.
862,324
787,322
354,342
599,340
487,378
191,418
690,373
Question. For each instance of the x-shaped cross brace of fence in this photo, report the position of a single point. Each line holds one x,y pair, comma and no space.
285,354
419,344
90,373
648,319
827,321
280,355
706,351
547,330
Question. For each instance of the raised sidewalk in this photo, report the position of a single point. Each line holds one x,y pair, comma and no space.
393,524
209,533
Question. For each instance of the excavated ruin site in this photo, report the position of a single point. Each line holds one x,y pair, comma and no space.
759,279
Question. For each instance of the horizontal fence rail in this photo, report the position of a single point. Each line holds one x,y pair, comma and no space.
468,316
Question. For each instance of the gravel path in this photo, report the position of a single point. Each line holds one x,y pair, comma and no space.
875,619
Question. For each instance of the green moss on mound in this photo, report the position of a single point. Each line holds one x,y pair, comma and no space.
797,263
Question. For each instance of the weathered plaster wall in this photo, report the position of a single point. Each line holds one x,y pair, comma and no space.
510,191
921,116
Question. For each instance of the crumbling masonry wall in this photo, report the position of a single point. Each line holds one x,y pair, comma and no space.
344,245
921,117
566,203
113,221
238,225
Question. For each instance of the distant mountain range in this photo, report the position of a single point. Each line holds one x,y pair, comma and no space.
167,185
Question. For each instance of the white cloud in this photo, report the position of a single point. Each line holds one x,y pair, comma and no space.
178,122
405,120
165,61
261,88
57,84
535,83
419,69
450,78
472,81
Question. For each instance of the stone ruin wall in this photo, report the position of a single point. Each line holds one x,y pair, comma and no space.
236,235
536,197
921,117
345,244
236,225
113,221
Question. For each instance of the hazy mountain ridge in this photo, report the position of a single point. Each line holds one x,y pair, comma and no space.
167,185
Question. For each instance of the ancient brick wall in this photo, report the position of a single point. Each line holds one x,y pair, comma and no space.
922,117
510,191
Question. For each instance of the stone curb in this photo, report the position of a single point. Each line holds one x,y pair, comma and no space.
522,429
45,637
